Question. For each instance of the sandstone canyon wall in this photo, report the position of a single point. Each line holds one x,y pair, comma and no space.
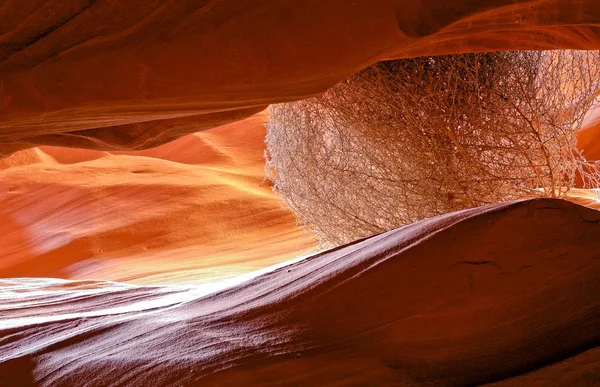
194,210
110,75
505,293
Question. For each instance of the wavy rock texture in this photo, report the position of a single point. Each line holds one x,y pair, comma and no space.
504,294
110,75
192,210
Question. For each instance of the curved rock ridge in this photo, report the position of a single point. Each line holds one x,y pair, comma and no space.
107,75
195,209
502,294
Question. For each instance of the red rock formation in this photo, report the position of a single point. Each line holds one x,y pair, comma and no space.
128,75
505,293
195,209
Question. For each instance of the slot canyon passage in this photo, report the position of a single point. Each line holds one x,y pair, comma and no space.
140,243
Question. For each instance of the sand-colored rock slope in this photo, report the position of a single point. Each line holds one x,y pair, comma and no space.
588,138
191,210
117,75
503,294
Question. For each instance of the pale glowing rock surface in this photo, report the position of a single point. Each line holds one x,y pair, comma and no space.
196,209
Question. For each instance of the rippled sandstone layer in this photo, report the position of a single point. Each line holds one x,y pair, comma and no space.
196,209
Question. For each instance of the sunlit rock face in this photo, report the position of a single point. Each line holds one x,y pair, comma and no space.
506,293
587,138
112,75
193,210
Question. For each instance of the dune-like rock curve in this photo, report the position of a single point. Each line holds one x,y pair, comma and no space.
195,209
111,75
504,294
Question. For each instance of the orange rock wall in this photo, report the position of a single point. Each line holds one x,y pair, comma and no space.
119,75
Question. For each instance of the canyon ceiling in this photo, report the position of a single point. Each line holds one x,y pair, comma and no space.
113,75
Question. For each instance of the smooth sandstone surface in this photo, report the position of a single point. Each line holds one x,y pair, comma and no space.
113,75
194,210
504,294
